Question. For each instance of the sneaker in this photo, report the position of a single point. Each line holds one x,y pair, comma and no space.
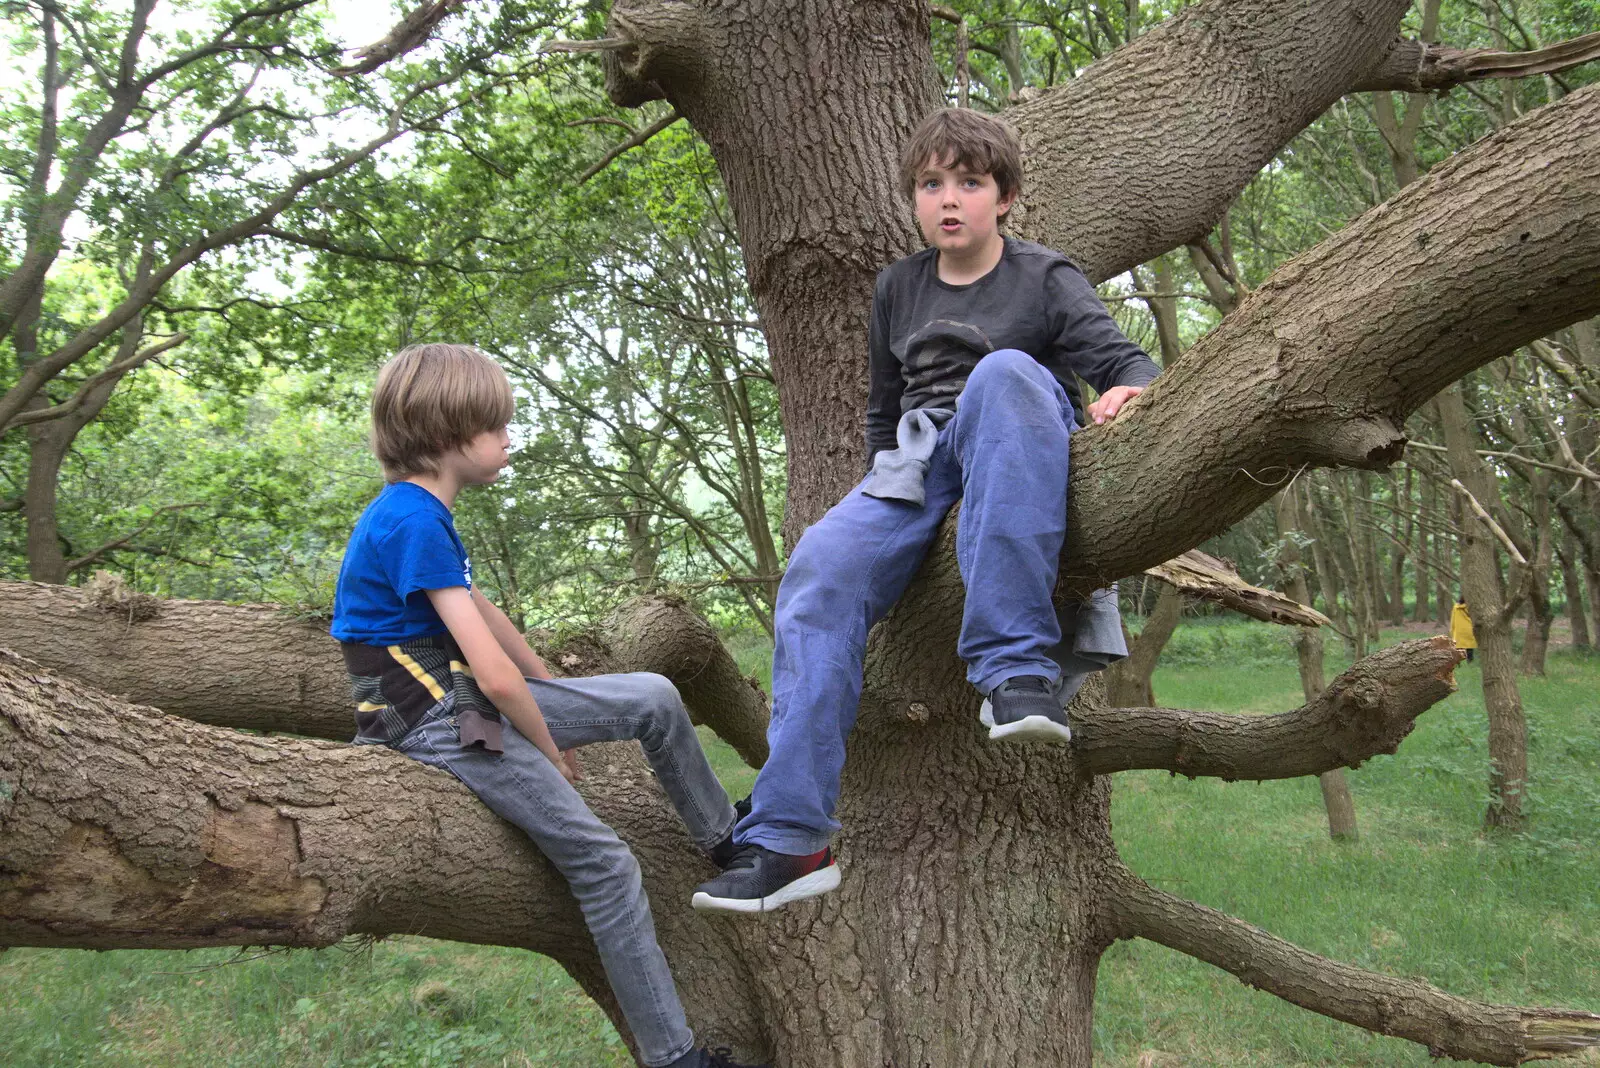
759,880
707,1057
721,1057
723,852
1025,708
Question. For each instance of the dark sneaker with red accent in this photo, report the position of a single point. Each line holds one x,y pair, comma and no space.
723,852
723,1058
1025,709
707,1057
759,880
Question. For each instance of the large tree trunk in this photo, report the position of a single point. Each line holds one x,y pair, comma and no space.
1536,634
1187,142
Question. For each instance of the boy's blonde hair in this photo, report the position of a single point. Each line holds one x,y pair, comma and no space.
961,137
433,398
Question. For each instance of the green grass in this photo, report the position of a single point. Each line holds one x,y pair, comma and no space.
1422,893
1512,919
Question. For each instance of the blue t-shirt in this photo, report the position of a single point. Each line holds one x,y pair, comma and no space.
403,544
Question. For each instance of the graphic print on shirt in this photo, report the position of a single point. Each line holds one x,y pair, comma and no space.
943,352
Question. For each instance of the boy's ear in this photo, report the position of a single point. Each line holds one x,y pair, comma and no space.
1003,205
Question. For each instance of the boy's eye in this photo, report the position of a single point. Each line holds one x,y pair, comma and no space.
930,183
969,183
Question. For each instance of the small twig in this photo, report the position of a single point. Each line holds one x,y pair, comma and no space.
1488,521
600,44
1579,471
631,143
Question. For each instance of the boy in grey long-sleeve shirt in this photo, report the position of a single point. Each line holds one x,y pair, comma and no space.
974,345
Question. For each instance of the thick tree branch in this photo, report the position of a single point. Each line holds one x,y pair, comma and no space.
273,841
1322,364
1419,67
255,667
1169,180
409,33
662,634
1449,1026
1365,711
111,373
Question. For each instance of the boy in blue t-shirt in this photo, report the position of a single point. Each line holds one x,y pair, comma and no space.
441,675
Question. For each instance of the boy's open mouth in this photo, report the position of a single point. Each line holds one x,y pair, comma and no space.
949,223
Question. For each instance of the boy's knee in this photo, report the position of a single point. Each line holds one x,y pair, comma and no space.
1004,366
611,873
814,580
660,696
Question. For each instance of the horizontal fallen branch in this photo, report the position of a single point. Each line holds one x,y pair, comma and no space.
1449,1026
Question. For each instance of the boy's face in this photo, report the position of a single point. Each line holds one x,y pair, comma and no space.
480,460
959,210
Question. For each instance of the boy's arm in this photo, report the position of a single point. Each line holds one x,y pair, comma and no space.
510,638
1094,346
885,382
497,676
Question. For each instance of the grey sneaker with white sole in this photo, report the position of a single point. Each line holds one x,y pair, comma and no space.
1026,708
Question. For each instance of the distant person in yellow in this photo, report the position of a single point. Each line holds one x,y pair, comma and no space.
1461,627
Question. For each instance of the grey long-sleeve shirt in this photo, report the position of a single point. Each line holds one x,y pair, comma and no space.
926,336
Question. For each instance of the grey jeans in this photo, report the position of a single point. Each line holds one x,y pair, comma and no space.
522,786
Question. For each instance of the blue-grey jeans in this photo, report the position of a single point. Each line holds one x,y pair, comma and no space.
523,787
1004,455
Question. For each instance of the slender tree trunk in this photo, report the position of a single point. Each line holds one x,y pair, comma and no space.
1449,594
1572,585
1422,556
1336,799
47,448
1402,552
1128,682
1536,634
1165,311
1481,580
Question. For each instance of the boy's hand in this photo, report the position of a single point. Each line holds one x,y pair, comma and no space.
569,766
1109,403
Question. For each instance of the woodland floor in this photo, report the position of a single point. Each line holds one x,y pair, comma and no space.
1422,893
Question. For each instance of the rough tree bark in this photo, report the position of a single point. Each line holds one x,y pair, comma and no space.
980,886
